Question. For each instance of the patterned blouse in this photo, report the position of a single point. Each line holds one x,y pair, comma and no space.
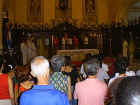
59,81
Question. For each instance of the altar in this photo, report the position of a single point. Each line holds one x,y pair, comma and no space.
77,55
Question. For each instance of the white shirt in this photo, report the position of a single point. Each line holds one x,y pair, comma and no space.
102,73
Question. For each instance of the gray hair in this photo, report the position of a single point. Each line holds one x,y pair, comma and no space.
57,61
91,66
39,66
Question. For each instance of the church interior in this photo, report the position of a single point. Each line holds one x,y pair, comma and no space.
95,40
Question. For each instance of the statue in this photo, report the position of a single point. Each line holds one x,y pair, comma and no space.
90,6
34,10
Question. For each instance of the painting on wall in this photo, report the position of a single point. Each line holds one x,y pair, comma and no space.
90,7
63,4
90,12
34,10
63,9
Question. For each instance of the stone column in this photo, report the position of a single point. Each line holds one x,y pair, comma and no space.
1,18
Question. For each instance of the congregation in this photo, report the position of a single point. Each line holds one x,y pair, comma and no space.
56,81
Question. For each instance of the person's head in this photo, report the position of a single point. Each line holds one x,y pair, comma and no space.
91,67
68,66
121,64
87,57
22,73
128,91
40,67
57,63
138,73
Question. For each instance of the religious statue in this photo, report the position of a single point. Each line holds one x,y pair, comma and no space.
90,6
34,9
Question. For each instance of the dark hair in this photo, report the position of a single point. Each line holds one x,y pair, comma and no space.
128,91
91,67
1,60
121,65
22,73
87,57
67,60
57,62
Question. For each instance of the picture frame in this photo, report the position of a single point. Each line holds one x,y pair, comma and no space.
34,11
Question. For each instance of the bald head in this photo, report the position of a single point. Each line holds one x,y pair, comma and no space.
39,66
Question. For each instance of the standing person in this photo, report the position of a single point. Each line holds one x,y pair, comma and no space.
24,49
42,93
32,50
75,42
91,91
119,69
66,39
63,43
69,42
102,73
55,42
60,81
72,72
6,87
82,70
23,81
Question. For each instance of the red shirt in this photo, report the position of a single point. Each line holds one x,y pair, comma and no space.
21,89
4,89
55,41
112,70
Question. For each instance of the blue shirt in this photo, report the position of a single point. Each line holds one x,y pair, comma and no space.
43,95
